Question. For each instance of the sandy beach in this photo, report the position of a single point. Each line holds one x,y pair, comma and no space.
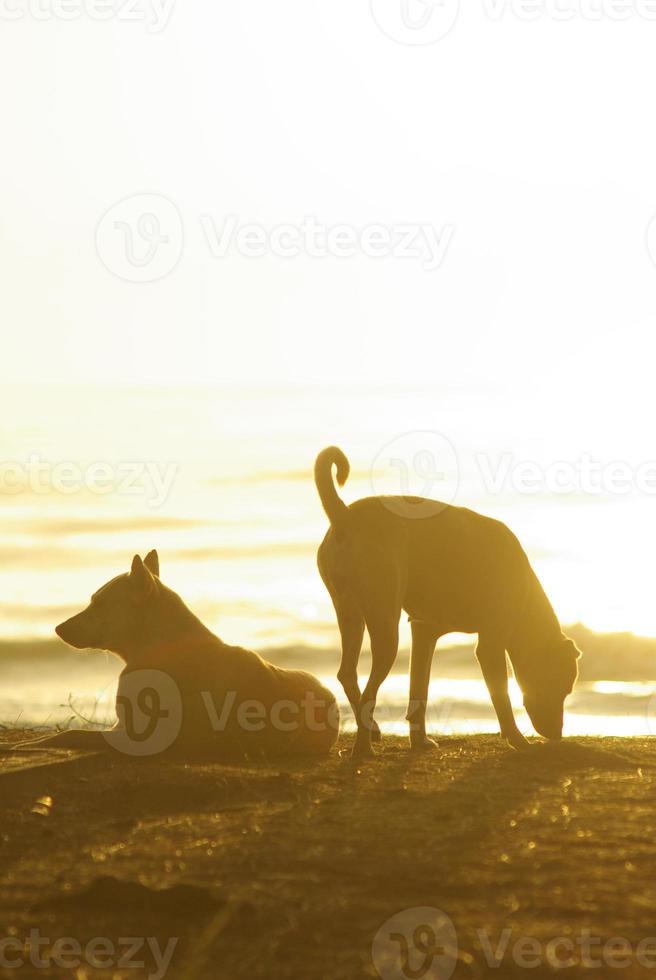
291,871
327,390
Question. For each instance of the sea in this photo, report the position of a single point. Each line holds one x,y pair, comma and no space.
219,481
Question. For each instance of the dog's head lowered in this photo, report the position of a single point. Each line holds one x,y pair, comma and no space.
114,618
545,682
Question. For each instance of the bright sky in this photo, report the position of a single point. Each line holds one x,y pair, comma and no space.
533,139
516,155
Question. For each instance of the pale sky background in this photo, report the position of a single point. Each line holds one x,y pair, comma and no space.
535,140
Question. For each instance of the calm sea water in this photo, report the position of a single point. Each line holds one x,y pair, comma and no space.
220,483
82,695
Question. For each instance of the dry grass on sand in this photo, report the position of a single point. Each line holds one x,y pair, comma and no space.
290,871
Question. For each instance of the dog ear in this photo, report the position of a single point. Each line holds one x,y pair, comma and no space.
151,561
142,582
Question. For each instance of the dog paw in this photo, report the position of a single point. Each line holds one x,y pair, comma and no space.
362,751
518,742
423,744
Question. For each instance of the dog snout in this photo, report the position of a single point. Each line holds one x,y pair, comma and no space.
63,631
72,631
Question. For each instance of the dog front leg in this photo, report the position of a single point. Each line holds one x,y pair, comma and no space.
492,658
424,639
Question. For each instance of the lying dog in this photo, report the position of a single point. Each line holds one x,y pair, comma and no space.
184,689
453,571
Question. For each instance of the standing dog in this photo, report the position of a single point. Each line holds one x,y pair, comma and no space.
211,698
454,571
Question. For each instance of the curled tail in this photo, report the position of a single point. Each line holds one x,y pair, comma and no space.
333,505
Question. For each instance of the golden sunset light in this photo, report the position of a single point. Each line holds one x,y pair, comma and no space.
328,489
